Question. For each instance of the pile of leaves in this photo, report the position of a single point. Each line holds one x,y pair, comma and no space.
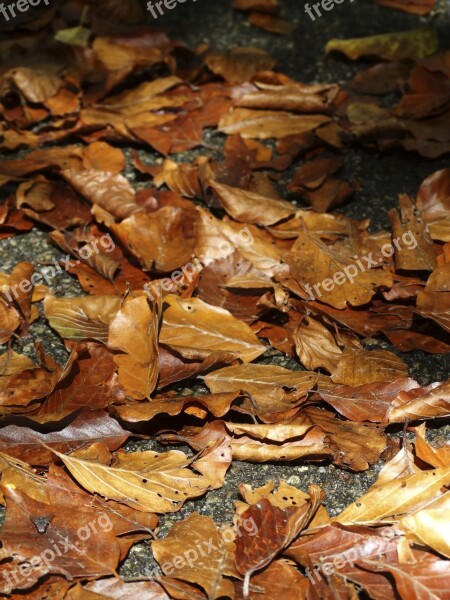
62,462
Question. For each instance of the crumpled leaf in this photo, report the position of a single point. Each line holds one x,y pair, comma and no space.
22,381
433,201
35,85
367,402
163,240
272,389
357,366
134,331
423,256
316,346
276,528
278,580
432,402
313,263
434,301
196,536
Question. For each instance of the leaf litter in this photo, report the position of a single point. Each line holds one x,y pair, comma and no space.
209,265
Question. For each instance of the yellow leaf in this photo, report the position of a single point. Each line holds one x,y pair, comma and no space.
412,44
431,524
149,481
390,500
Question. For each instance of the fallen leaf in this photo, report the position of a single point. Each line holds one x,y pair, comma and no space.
134,331
239,64
391,500
197,540
412,44
192,327
146,481
265,124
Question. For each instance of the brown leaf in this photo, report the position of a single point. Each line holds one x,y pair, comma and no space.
163,240
203,555
433,402
21,535
87,428
109,191
100,156
217,240
416,7
357,366
335,549
275,528
192,327
353,445
367,402
172,367
434,301
247,207
216,404
430,525
51,203
244,280
278,580
239,64
318,267
22,381
88,381
411,225
265,124
134,331
147,481
385,502
427,579
303,440
272,389
290,96
433,201
316,346
35,85
82,318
